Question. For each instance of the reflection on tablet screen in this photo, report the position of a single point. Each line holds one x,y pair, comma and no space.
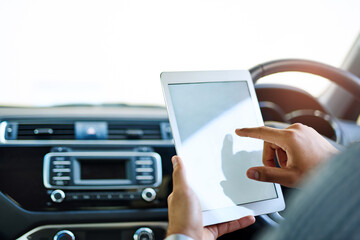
215,158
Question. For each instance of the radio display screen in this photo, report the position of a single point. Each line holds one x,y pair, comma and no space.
98,169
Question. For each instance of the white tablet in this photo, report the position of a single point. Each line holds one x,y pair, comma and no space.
204,110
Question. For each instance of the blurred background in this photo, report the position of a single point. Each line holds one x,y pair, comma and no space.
113,51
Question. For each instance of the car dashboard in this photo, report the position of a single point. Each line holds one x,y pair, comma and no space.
53,176
53,184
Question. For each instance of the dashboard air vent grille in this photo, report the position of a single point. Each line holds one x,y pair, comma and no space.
134,130
39,131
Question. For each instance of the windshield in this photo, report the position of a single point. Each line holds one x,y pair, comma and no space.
113,51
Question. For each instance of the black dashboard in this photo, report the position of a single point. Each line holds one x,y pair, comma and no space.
129,206
132,136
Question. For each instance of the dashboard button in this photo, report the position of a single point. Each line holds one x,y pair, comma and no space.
85,196
143,162
59,182
57,196
64,235
72,196
62,162
148,194
144,234
62,170
55,178
144,177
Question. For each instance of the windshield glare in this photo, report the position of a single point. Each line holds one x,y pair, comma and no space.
95,52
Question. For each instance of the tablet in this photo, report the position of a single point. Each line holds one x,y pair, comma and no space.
205,108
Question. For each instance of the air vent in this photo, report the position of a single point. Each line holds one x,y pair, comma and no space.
86,130
46,131
134,130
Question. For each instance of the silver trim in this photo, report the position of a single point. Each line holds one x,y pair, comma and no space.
156,156
2,131
143,162
147,231
163,225
147,170
148,190
3,141
61,162
52,196
144,177
61,170
61,178
56,237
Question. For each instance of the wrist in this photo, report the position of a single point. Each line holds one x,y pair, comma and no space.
187,232
178,237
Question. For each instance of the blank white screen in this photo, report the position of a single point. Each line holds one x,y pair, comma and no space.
215,158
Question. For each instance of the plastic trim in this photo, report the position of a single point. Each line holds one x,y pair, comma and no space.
163,225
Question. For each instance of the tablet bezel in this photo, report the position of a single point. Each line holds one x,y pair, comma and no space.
215,216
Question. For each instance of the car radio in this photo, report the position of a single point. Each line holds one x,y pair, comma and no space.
86,174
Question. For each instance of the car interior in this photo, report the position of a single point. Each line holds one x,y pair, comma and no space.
84,168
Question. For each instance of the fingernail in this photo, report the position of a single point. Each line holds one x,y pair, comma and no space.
253,174
174,161
239,131
252,219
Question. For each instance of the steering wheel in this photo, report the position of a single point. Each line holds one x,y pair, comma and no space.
344,79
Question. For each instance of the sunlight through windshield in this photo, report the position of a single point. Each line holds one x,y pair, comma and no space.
113,51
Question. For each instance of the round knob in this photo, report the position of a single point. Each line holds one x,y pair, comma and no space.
57,196
148,194
144,234
64,235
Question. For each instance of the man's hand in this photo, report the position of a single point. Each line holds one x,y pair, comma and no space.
298,148
184,207
185,215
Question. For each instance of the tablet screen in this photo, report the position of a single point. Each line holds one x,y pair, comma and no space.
215,158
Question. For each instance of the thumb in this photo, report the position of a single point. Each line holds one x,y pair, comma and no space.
285,177
179,179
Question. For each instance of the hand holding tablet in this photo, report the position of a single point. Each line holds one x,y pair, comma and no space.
204,110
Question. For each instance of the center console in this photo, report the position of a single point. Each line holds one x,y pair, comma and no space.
102,175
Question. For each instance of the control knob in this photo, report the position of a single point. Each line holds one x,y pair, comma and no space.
64,235
144,234
57,196
148,194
